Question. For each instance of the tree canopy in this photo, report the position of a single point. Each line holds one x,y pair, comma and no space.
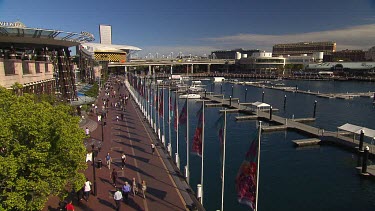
41,151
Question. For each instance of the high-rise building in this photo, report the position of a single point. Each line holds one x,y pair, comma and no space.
105,34
303,48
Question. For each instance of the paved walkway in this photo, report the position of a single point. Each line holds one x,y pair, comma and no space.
166,188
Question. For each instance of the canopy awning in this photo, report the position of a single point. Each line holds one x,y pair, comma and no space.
261,105
357,130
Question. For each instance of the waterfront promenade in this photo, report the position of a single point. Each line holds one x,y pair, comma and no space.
166,188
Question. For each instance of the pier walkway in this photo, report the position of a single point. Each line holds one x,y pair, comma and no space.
166,186
281,123
345,96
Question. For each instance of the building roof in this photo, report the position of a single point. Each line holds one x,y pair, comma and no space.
95,47
357,130
17,32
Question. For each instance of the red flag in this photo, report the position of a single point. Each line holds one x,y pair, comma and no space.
183,114
247,174
161,98
197,140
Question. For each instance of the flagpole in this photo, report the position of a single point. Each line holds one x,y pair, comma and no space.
163,135
169,122
177,133
202,175
187,141
257,187
223,170
155,111
159,135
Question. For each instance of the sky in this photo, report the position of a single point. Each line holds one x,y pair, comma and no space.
198,27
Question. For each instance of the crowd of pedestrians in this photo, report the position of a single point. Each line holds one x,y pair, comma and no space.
115,99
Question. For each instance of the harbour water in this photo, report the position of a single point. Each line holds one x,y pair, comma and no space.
318,178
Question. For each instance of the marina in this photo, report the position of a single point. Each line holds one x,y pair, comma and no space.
295,120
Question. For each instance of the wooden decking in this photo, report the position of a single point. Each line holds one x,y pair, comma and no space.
281,123
306,142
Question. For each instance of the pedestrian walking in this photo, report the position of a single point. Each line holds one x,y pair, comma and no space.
87,131
99,118
126,190
153,148
144,188
117,118
123,159
113,176
108,160
118,197
69,206
134,187
87,189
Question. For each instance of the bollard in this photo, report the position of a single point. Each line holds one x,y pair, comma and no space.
230,101
361,137
284,101
263,97
364,161
271,113
245,94
314,108
199,192
205,93
232,91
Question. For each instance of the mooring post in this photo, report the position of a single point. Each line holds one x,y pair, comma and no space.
284,101
205,93
271,113
245,94
230,101
314,108
361,137
263,97
364,160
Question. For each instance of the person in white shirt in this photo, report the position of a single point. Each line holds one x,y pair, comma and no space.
87,189
118,197
87,131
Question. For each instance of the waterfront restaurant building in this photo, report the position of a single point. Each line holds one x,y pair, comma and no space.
261,62
39,59
309,48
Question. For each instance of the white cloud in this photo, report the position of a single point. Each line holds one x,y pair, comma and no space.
357,37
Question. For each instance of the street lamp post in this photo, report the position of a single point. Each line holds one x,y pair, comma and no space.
93,151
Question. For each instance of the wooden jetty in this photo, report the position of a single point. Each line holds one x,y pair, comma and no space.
213,105
249,117
304,119
285,124
345,96
370,170
306,142
274,128
234,110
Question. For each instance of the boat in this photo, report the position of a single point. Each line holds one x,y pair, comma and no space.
196,89
190,96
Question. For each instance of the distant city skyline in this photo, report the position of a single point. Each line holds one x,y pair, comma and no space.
199,27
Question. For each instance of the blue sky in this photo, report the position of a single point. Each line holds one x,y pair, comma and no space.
200,26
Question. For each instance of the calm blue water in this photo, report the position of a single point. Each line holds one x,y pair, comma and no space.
319,178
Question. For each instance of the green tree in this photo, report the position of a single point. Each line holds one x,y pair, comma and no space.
41,154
